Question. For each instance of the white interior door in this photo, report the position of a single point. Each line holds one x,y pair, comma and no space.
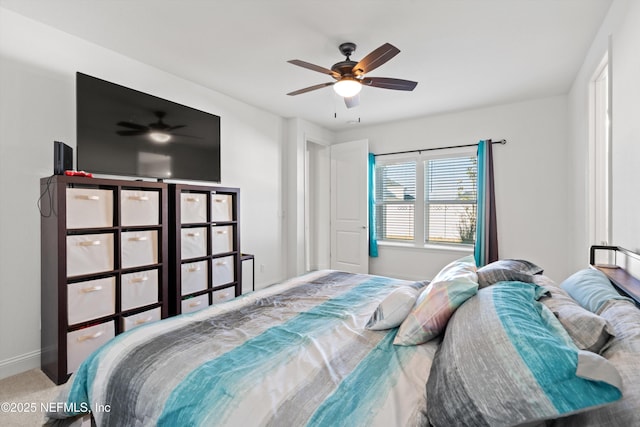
349,207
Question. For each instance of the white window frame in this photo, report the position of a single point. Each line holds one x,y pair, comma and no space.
420,157
600,154
389,160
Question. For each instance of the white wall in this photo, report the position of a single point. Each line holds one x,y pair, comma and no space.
37,106
530,180
622,27
626,130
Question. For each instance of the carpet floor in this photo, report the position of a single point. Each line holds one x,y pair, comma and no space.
25,397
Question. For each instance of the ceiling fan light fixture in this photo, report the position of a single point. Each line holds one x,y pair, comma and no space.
160,136
347,87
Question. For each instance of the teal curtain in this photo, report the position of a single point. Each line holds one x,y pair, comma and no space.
373,242
486,245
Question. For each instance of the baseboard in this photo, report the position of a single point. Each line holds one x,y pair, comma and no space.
19,364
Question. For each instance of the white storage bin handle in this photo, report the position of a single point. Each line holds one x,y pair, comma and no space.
145,320
90,243
195,303
221,263
138,239
90,336
139,198
87,197
221,231
139,279
193,199
193,234
220,200
91,289
194,268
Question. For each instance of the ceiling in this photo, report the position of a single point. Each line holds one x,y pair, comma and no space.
464,53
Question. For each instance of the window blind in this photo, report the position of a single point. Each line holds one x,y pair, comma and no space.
395,201
450,199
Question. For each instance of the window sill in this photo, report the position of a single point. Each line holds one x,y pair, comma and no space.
428,247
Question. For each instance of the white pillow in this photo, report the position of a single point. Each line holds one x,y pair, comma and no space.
393,309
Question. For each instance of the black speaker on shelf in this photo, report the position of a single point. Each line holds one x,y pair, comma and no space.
62,158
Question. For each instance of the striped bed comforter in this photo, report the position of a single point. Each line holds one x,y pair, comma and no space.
293,354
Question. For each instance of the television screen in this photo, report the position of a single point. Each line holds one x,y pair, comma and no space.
121,131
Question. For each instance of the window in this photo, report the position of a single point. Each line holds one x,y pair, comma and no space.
600,157
395,201
440,207
450,200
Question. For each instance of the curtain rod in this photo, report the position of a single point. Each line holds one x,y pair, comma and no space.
502,141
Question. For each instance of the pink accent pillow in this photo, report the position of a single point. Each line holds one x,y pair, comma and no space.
452,286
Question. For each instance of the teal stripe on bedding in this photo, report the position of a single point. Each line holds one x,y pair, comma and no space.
84,376
355,400
525,327
211,388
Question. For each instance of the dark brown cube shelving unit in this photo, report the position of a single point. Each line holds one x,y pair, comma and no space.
205,242
79,297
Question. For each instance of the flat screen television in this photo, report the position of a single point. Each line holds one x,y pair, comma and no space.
121,131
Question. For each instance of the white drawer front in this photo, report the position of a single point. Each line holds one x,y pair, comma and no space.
87,208
194,277
138,289
89,253
221,208
193,208
194,304
91,299
139,248
223,295
140,207
221,239
222,270
130,322
83,342
194,242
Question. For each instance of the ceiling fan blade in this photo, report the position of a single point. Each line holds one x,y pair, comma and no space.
310,88
314,67
352,101
170,128
131,132
132,125
388,83
375,59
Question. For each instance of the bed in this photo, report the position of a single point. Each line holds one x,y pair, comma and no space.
331,348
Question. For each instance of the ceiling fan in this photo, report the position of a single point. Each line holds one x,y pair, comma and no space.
159,131
349,75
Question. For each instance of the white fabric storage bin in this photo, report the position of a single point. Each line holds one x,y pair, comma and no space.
221,239
194,242
222,270
91,299
89,208
222,295
139,248
193,208
139,289
190,305
135,320
221,207
139,207
194,277
89,253
83,342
